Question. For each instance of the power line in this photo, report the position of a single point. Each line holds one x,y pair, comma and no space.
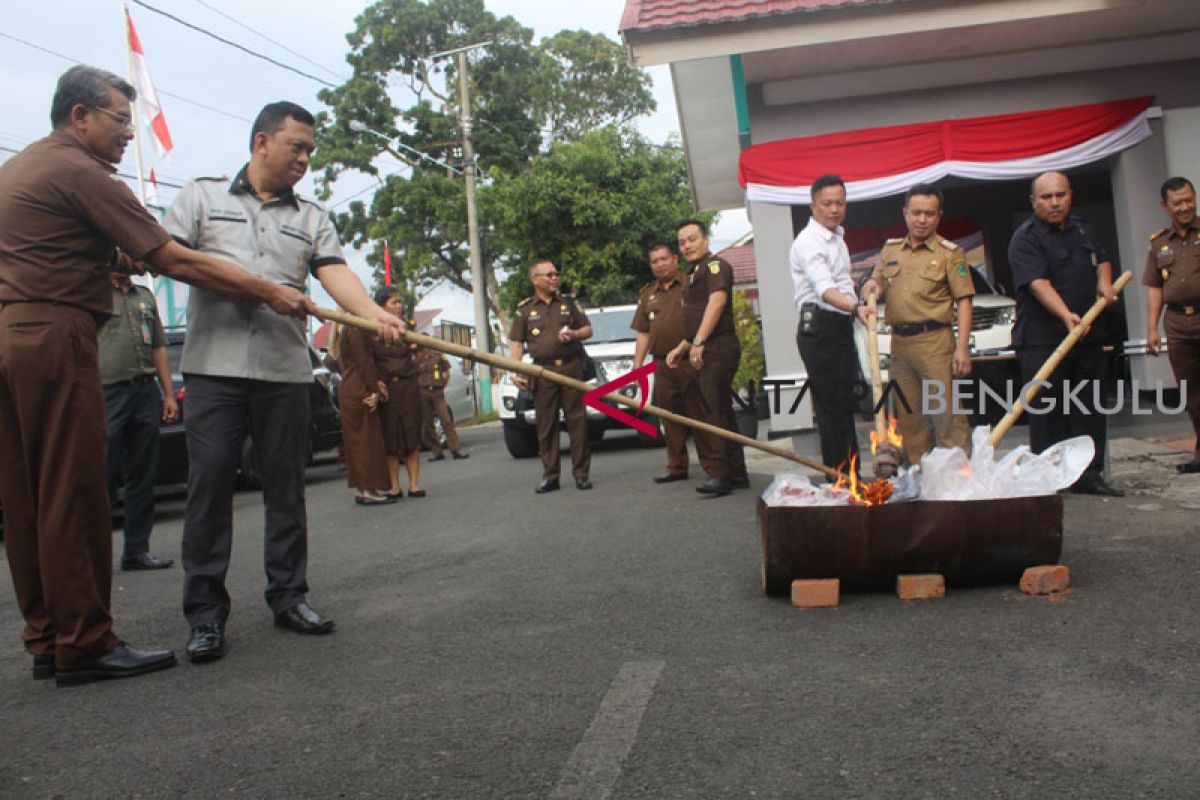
161,91
233,44
120,174
262,35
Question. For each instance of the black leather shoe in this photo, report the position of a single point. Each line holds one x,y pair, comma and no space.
583,483
459,455
1096,486
670,477
207,643
438,457
740,481
43,667
301,618
715,487
1188,466
122,662
549,485
144,561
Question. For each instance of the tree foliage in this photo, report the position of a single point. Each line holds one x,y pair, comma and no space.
525,97
593,206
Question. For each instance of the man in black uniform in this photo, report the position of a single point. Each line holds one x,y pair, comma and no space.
1059,268
553,328
133,351
1172,276
711,346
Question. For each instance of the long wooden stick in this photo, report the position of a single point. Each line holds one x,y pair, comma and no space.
1053,361
876,377
534,371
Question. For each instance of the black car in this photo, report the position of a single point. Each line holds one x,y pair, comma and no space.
324,430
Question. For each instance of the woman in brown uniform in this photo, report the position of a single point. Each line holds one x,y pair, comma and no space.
359,397
400,411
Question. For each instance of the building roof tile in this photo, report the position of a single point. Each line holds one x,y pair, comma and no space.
646,15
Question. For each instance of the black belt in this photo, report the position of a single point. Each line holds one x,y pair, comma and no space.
553,362
1186,310
431,388
914,328
398,378
138,381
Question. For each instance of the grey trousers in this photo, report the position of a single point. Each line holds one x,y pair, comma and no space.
218,414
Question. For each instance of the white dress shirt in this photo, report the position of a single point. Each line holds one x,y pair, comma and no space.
820,261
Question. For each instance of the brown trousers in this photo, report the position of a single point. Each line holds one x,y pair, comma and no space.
1183,351
676,390
927,356
548,398
715,379
57,519
433,404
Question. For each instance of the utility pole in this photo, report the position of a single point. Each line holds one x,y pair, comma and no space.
478,284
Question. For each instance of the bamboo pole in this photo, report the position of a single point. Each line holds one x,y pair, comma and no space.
887,455
534,371
1053,361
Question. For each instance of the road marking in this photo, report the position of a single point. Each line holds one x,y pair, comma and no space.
594,766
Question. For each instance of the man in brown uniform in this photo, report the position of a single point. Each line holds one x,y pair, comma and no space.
434,375
61,214
659,325
924,278
711,346
1172,276
551,327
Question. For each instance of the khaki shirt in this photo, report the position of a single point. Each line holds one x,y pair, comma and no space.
1173,264
660,314
537,324
126,340
709,274
62,211
434,370
283,240
922,283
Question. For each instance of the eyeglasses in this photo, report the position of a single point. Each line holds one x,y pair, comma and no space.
122,120
546,275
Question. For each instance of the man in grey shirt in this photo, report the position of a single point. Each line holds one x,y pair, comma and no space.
247,371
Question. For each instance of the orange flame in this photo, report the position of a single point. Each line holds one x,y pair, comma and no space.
890,436
863,494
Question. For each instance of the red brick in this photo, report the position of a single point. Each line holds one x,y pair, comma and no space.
920,587
1047,579
816,593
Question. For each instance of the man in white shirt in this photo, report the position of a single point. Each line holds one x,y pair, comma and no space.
828,304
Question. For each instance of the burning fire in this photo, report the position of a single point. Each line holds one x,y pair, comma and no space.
864,494
891,437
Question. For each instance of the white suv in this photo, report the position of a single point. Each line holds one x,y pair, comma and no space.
611,347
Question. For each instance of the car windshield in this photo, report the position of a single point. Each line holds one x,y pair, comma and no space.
981,283
611,325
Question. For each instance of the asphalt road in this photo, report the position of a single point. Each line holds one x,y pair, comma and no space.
615,643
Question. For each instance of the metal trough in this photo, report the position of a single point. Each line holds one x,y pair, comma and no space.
866,547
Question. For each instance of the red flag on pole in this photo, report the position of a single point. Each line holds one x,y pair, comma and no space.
152,188
148,104
387,264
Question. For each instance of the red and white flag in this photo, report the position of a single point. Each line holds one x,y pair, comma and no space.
387,264
148,105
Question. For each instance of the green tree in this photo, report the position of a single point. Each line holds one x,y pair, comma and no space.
594,206
522,96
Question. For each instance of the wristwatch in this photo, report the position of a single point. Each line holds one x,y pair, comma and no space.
697,342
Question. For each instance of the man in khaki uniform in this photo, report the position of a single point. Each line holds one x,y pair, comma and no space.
434,373
1172,275
133,352
659,325
924,279
553,328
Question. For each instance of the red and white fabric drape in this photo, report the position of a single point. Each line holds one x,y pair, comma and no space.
877,162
